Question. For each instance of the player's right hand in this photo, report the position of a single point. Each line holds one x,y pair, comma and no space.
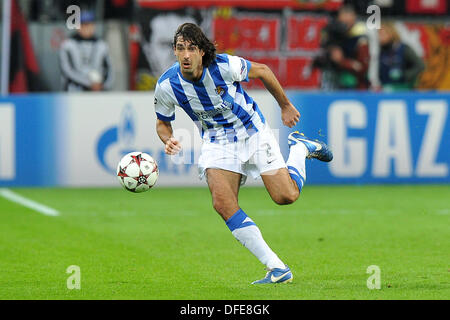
290,115
172,146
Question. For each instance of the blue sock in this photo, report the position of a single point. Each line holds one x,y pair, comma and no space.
239,220
295,175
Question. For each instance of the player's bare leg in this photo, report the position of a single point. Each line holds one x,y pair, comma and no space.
281,187
224,187
285,185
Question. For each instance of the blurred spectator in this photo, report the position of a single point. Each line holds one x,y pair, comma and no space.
399,65
155,54
85,60
345,58
159,50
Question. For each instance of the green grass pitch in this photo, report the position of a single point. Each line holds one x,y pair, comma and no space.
168,243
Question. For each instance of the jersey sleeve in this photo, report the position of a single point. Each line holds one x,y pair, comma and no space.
164,108
239,68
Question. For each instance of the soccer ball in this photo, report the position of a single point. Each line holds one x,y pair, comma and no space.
137,172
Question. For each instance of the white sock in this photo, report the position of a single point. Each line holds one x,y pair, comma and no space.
248,234
296,164
296,159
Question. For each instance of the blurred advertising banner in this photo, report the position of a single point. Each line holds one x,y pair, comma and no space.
426,6
261,36
432,43
24,68
78,139
286,40
377,138
258,4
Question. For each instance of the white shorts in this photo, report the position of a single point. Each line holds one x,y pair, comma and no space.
258,154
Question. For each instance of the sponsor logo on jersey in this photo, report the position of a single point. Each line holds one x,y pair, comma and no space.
220,91
204,115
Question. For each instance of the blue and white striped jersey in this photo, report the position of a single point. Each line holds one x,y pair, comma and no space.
223,111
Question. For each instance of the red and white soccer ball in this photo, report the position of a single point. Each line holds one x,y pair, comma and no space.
137,172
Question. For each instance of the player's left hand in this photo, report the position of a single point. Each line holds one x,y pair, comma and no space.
290,115
172,146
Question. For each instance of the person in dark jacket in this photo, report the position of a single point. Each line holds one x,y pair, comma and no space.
345,58
399,66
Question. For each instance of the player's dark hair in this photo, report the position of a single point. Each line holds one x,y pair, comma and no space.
192,33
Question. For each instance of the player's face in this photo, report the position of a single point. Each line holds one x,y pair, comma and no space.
189,57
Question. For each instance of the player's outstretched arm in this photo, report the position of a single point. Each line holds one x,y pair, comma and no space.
165,133
289,114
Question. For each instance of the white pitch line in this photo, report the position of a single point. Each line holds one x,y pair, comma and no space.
14,197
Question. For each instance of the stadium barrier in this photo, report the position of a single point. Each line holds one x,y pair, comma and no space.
78,139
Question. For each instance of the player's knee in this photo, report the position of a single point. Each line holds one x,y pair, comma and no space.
290,198
286,198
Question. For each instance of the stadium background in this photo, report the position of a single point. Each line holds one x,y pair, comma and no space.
52,139
283,34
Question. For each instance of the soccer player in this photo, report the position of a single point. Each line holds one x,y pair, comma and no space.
237,141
